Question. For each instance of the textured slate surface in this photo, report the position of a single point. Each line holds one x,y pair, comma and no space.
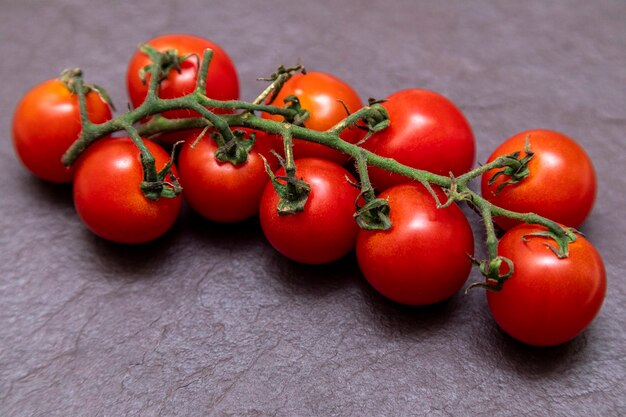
210,320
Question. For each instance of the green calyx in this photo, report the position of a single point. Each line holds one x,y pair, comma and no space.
70,76
373,215
278,79
170,60
516,169
562,239
490,269
235,150
292,103
374,121
165,184
293,192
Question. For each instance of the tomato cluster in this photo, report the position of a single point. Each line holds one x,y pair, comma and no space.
424,257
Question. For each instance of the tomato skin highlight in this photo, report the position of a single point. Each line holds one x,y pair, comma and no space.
561,185
108,198
319,93
423,259
427,131
547,301
221,191
46,123
326,230
222,82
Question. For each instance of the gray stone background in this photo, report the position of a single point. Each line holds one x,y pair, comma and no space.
209,320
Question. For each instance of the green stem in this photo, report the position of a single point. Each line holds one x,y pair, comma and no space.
82,102
492,240
219,123
374,213
531,218
204,69
373,112
159,124
367,191
373,116
155,79
147,159
278,79
328,138
151,186
331,140
290,167
293,192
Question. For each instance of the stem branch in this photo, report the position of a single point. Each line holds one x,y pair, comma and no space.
372,117
204,69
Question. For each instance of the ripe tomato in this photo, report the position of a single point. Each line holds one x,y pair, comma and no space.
222,82
107,193
47,122
319,93
325,230
423,258
547,300
221,191
427,131
561,185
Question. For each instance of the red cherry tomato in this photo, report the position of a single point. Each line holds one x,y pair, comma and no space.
319,93
561,185
221,82
423,258
427,131
547,300
47,122
325,230
107,193
221,191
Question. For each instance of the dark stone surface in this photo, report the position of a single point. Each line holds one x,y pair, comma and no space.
210,320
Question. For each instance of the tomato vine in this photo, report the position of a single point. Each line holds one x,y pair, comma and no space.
373,117
233,125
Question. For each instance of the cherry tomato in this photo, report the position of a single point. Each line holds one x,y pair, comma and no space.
427,131
325,230
320,94
107,193
47,122
221,191
423,258
547,300
561,185
221,82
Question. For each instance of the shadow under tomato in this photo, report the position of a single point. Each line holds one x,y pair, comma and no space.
343,275
43,192
129,263
310,280
532,361
245,243
225,235
407,318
